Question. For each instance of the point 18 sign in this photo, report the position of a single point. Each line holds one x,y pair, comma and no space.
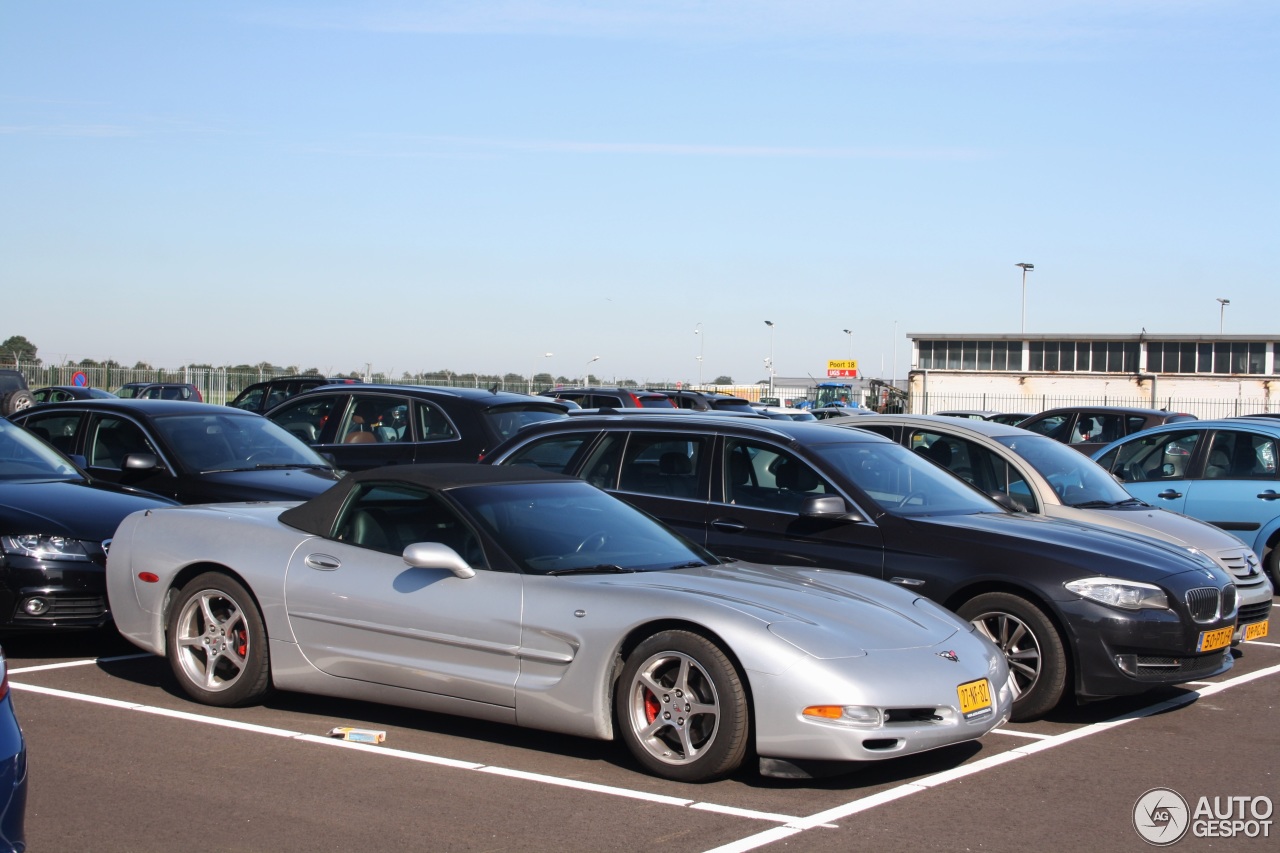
842,367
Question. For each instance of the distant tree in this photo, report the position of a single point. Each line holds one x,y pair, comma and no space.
311,371
142,365
722,380
201,366
87,362
513,379
18,348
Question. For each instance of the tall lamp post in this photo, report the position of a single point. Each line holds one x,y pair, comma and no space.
586,379
769,323
702,346
1026,268
533,370
1222,311
849,332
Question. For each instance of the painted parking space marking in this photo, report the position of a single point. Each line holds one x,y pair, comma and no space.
1015,733
74,663
385,752
863,804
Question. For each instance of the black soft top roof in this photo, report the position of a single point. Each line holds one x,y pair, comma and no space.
317,515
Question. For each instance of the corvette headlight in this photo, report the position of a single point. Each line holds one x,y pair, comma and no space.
1127,595
42,547
862,716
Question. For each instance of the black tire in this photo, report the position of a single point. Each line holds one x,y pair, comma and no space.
217,642
1032,645
1272,564
16,401
682,708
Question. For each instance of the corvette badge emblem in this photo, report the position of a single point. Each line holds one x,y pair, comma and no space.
949,655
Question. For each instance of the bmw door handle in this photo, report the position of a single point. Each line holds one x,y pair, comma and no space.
1270,495
1169,494
728,525
322,562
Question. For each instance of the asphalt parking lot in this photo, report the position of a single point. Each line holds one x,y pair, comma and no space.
120,760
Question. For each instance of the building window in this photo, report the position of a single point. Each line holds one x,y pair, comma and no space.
1221,357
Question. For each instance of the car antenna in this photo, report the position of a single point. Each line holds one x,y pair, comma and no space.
493,389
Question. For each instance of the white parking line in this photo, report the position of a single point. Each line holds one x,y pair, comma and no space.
863,804
386,752
1015,733
71,663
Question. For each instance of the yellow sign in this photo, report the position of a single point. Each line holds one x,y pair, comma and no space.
842,364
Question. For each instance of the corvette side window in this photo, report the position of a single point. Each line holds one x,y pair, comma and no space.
389,517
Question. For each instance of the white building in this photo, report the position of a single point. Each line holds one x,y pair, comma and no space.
1206,375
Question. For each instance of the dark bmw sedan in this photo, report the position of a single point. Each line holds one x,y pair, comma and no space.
366,426
56,525
1077,609
194,454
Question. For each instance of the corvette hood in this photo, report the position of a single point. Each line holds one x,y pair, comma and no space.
827,613
68,508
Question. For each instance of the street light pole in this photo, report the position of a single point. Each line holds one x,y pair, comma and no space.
586,379
1025,269
533,370
702,346
849,332
769,323
1222,310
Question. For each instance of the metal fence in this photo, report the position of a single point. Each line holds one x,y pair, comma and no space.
219,385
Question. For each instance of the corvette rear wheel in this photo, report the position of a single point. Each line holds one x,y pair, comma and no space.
1031,644
682,708
217,642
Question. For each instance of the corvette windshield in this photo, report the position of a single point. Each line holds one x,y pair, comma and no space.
1076,479
572,527
901,481
23,456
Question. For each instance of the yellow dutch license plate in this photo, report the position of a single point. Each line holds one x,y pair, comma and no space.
1219,639
975,696
1256,631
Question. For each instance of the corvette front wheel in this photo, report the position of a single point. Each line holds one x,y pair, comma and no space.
217,642
682,708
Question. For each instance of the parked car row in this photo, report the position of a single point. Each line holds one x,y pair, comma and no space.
974,543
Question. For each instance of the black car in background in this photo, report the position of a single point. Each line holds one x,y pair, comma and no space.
63,393
263,396
1078,609
56,524
1088,428
706,401
159,391
612,398
14,394
365,426
193,454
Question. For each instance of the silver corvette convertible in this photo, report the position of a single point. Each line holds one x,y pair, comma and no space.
518,596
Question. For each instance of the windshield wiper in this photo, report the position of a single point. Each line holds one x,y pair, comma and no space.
1109,504
602,569
273,466
696,564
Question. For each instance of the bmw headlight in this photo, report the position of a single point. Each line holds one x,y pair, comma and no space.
41,547
1127,595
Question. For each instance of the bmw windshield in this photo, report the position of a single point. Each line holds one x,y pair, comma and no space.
902,482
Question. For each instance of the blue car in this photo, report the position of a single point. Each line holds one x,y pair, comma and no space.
1222,471
13,771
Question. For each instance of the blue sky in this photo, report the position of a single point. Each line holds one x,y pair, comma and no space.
469,185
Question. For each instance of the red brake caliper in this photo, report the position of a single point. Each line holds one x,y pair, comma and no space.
650,706
242,642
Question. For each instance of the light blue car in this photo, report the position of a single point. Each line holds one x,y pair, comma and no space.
1223,471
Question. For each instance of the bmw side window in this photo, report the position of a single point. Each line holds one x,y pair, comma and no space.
664,465
767,478
601,468
549,454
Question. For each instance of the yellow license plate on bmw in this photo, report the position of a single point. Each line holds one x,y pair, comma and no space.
1219,639
1256,631
975,697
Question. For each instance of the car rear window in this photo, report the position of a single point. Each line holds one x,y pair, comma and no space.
654,401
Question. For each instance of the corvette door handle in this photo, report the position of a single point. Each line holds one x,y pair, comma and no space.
728,525
1169,494
1270,495
322,562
